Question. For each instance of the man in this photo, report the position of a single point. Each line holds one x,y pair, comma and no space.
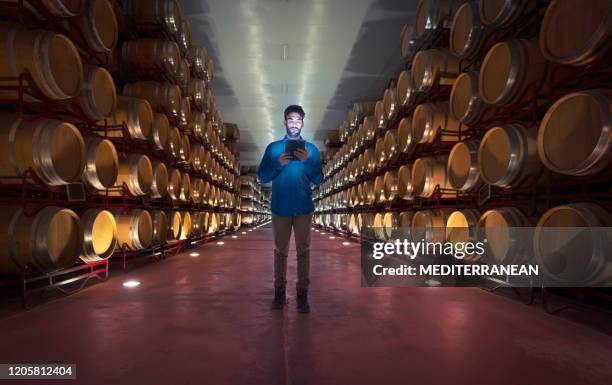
291,204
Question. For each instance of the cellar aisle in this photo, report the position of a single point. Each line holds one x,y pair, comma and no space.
207,320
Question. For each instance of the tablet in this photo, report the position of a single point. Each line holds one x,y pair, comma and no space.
292,145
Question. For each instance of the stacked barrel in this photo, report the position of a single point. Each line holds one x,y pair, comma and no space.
254,199
117,102
496,101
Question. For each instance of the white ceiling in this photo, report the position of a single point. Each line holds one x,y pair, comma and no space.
321,54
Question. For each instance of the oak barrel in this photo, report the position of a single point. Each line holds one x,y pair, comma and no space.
159,186
53,149
98,96
48,240
465,103
511,72
429,173
102,163
428,121
462,166
575,135
432,67
98,25
136,173
136,114
51,59
158,56
163,97
430,225
505,241
507,156
572,243
576,33
100,234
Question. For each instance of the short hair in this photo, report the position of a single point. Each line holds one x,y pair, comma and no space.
294,108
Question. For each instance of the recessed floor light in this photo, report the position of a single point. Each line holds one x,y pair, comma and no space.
194,254
244,232
234,236
131,283
332,237
220,243
346,243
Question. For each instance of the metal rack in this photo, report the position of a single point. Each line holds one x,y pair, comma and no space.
29,191
160,252
32,281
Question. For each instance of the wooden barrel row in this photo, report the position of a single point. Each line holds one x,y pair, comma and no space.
162,18
143,177
572,138
143,123
510,70
505,157
58,154
584,221
201,65
251,219
504,77
56,237
157,56
569,33
61,75
55,67
251,199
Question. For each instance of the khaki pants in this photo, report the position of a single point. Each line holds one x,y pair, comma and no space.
281,227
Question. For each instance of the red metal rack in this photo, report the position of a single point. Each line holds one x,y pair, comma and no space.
66,281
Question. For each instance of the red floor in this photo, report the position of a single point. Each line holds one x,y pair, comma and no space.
207,320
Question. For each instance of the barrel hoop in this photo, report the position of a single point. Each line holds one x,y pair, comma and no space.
42,154
11,146
41,60
133,229
36,244
9,238
604,138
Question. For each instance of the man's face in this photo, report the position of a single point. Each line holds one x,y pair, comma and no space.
294,124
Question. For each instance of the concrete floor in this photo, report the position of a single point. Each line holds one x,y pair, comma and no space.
207,320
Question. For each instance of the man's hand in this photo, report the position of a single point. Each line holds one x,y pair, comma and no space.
284,158
302,154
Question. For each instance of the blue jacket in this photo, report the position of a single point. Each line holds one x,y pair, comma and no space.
291,183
